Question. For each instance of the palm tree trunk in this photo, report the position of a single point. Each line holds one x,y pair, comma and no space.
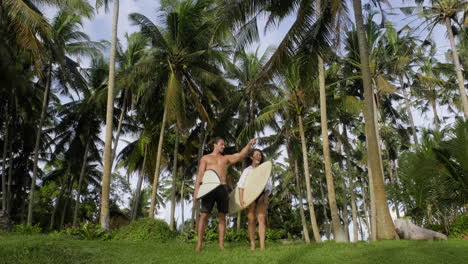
119,126
136,198
392,182
385,227
174,180
354,212
10,177
367,210
45,102
361,228
373,213
65,206
59,199
158,164
326,222
456,61
106,177
351,187
408,111
196,203
295,166
338,231
305,230
182,204
310,201
436,115
4,158
80,181
345,209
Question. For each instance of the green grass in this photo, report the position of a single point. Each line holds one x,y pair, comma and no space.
46,249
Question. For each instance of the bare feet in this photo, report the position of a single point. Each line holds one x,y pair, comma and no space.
252,246
198,249
221,247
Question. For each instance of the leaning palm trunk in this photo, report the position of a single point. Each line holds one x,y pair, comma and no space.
80,182
408,111
338,231
4,158
158,164
45,102
326,221
456,62
384,225
59,200
136,198
123,109
436,115
174,181
65,206
305,230
106,177
310,201
196,203
351,178
10,177
182,204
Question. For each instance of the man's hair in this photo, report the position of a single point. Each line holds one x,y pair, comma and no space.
248,160
213,141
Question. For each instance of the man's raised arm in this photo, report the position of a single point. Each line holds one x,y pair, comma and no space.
234,158
198,181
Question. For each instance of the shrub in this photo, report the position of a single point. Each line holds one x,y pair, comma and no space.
145,229
232,235
436,227
87,231
25,229
187,236
459,227
275,234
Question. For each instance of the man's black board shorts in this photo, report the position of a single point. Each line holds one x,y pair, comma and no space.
220,195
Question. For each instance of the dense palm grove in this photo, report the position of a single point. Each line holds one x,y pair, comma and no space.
334,104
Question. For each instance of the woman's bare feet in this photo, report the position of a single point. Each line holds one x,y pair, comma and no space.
252,246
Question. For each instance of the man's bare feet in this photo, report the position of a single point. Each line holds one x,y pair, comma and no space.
221,247
198,249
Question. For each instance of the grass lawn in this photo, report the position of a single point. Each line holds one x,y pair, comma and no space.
46,249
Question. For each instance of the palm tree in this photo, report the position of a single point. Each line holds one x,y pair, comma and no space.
444,12
106,176
338,231
66,40
127,81
384,224
186,61
29,28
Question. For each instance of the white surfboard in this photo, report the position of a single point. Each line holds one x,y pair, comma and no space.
210,181
254,185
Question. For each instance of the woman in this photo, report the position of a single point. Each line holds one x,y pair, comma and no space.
259,207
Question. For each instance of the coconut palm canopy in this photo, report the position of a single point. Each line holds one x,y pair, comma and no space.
106,107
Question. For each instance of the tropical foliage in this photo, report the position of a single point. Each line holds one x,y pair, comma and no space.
363,117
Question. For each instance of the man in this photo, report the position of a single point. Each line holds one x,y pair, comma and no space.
219,163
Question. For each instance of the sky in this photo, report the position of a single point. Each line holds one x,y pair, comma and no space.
99,28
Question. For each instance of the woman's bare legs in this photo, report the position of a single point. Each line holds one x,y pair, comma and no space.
262,205
252,225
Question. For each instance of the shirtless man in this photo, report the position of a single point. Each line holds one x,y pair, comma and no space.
217,162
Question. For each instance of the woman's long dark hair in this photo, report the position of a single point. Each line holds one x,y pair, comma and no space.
248,160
